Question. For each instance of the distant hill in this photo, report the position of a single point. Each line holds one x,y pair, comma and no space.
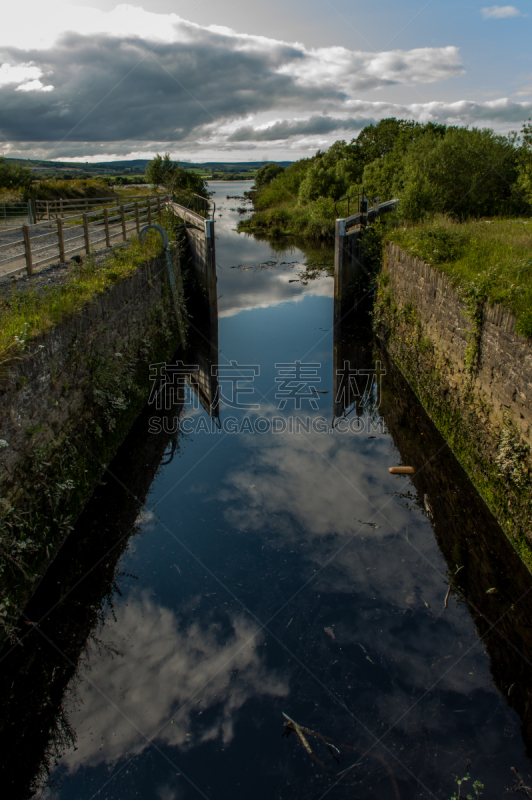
132,168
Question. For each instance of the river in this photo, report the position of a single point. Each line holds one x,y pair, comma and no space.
261,566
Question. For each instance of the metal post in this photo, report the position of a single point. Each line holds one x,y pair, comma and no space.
123,217
137,216
27,249
86,232
106,223
60,239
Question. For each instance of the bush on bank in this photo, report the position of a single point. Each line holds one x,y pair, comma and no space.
431,168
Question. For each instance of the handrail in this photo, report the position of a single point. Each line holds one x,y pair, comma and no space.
206,200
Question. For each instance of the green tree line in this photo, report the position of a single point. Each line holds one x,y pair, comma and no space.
431,168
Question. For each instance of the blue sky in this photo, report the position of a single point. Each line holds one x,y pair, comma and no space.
213,80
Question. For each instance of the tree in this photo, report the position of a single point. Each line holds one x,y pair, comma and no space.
267,173
14,176
164,172
467,173
524,162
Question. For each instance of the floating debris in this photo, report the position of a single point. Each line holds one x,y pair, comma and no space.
446,603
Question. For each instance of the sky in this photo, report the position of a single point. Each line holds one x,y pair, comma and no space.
231,80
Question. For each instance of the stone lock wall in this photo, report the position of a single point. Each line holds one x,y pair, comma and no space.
504,373
65,409
473,374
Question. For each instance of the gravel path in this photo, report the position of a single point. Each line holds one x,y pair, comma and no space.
13,238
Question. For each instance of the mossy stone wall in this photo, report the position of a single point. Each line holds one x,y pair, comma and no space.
65,410
472,373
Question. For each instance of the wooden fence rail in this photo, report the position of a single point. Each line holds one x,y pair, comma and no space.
57,240
61,207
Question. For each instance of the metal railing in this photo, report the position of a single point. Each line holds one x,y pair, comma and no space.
12,213
57,240
362,202
202,204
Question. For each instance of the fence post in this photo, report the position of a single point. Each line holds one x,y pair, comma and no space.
158,204
86,204
106,223
27,249
60,239
123,216
47,210
137,216
149,210
86,232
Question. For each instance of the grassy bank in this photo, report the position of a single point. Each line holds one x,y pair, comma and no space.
25,314
487,260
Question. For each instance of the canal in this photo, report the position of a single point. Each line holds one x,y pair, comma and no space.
251,605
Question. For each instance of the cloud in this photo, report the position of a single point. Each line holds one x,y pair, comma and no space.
353,70
501,12
25,77
367,112
135,83
284,129
155,656
112,84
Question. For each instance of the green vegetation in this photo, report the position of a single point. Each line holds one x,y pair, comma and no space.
26,314
13,177
177,181
432,169
486,260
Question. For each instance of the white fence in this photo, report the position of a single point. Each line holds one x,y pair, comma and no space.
32,246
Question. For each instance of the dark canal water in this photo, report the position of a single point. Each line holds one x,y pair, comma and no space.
223,577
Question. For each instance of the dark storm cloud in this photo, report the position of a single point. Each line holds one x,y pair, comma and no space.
110,89
285,129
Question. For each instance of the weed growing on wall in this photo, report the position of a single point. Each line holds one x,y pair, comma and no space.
493,454
487,262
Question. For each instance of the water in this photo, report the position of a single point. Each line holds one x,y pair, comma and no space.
221,580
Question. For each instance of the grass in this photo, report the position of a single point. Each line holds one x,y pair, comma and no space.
25,314
486,260
315,221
